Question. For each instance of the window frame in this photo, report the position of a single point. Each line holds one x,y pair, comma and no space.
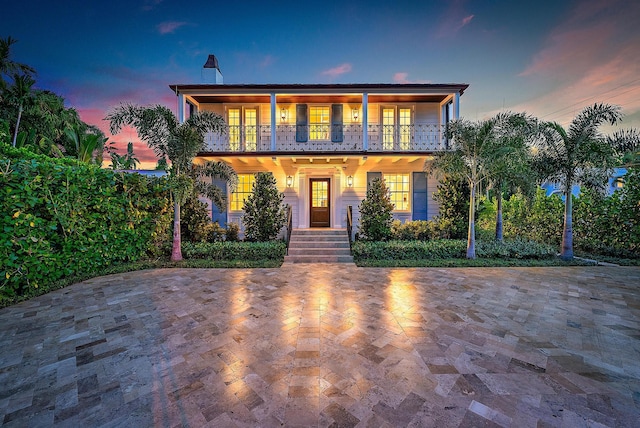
404,193
324,130
237,197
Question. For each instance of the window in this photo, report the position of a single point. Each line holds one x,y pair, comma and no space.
398,185
318,123
405,128
244,189
250,129
388,128
319,194
234,129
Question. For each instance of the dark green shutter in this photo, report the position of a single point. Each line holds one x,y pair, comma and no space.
371,176
336,123
216,214
302,125
419,201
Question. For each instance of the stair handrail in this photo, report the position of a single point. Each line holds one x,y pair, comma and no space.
289,227
350,225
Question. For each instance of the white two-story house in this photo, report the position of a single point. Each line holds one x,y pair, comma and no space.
325,142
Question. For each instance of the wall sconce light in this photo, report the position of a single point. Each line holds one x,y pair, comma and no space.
350,181
283,114
289,181
354,114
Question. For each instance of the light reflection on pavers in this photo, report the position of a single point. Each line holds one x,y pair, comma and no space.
328,345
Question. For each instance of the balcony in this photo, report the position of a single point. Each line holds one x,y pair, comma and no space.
423,138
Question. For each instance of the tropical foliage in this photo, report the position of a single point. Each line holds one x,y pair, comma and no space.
179,143
581,155
61,218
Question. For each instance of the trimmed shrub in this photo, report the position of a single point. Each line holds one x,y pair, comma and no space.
233,232
250,251
376,212
61,218
421,230
450,249
264,213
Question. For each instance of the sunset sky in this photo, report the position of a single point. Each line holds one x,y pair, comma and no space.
548,58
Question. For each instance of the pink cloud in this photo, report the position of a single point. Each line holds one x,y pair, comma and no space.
170,26
466,20
453,19
590,57
267,61
338,71
401,77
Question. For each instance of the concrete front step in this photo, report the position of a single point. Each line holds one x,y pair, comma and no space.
319,246
319,251
318,259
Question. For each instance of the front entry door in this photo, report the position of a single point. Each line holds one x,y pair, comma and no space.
320,202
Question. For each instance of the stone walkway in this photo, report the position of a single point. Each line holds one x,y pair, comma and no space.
328,345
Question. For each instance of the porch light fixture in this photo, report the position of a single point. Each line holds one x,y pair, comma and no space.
354,114
289,181
350,181
283,114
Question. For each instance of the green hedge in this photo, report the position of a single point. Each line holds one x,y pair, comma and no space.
249,251
449,249
61,217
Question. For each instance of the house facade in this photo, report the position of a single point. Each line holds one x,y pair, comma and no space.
325,142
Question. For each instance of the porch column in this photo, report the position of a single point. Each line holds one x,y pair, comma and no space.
181,108
365,121
456,105
273,121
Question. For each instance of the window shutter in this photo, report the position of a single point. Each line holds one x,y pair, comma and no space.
302,126
216,214
371,176
419,202
336,123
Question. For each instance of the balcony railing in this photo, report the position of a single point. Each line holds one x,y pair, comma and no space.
329,138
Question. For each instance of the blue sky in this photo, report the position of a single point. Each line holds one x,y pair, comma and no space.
548,58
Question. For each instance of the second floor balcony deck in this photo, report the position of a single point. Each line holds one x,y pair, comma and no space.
326,138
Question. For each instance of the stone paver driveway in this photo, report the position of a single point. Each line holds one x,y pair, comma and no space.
328,345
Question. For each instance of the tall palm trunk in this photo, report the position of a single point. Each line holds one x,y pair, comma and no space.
499,233
15,132
471,236
567,230
176,250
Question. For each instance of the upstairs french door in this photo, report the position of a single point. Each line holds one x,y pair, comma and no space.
243,129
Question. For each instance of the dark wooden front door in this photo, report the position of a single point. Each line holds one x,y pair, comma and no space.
320,202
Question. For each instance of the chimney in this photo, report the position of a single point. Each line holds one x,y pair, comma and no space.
211,71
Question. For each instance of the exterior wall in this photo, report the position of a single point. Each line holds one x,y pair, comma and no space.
337,170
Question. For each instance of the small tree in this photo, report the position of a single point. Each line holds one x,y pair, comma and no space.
376,212
264,212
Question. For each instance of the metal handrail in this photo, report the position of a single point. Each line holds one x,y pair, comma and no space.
350,224
289,227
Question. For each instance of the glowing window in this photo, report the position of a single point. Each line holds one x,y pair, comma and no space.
250,129
318,123
398,185
388,128
244,189
405,128
319,194
234,129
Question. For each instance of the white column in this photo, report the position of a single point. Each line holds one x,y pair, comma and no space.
456,105
365,121
181,108
273,121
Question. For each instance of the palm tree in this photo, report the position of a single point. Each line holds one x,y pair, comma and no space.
19,94
7,65
85,143
179,143
511,169
581,155
477,150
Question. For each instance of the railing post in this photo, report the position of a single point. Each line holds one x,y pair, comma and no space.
273,121
350,225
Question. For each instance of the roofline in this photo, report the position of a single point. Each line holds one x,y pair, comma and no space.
338,87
